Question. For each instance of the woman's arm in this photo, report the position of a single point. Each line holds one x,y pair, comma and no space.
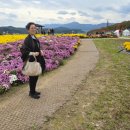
25,50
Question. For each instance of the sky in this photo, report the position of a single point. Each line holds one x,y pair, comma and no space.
18,13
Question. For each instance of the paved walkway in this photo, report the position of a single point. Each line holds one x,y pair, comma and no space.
20,112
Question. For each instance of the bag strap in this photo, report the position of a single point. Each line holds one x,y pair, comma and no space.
33,44
35,58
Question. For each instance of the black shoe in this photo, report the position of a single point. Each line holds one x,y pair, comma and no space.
37,93
34,96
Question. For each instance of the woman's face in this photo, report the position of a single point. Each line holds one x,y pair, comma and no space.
32,30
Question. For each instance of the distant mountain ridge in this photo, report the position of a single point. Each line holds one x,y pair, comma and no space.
76,25
123,25
11,30
59,28
67,30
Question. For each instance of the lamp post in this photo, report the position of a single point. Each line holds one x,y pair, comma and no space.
107,22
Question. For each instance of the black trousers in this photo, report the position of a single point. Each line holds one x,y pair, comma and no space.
32,83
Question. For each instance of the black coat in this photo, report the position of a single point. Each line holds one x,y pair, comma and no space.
32,45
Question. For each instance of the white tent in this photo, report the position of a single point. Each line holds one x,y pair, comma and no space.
126,32
117,33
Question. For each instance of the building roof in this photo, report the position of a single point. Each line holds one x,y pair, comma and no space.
38,25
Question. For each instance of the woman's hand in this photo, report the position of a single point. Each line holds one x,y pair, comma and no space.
41,52
34,53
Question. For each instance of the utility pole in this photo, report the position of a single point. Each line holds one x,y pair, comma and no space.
107,22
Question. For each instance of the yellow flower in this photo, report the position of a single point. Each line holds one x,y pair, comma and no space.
4,39
74,35
75,46
126,45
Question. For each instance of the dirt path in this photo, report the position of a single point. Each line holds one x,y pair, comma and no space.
20,112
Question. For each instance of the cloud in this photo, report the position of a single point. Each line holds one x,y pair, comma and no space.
36,2
62,12
97,17
70,19
29,12
2,13
73,13
81,13
66,12
12,15
124,9
99,9
60,18
8,15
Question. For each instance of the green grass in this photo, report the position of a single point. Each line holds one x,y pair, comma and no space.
112,107
105,94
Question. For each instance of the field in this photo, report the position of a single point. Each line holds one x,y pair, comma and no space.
55,49
103,100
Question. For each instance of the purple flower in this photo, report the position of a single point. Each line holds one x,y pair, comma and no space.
55,49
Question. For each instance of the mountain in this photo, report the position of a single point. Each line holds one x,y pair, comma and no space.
10,29
123,25
67,30
76,25
59,28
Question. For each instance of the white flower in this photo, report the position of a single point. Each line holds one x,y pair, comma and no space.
12,78
6,72
50,41
6,86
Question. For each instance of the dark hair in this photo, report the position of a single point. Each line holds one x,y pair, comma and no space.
29,24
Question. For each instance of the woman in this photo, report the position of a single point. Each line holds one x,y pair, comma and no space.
31,48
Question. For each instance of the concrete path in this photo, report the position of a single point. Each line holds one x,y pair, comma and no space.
20,112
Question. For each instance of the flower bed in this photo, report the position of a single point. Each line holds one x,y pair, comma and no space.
75,35
55,49
89,35
14,37
126,46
